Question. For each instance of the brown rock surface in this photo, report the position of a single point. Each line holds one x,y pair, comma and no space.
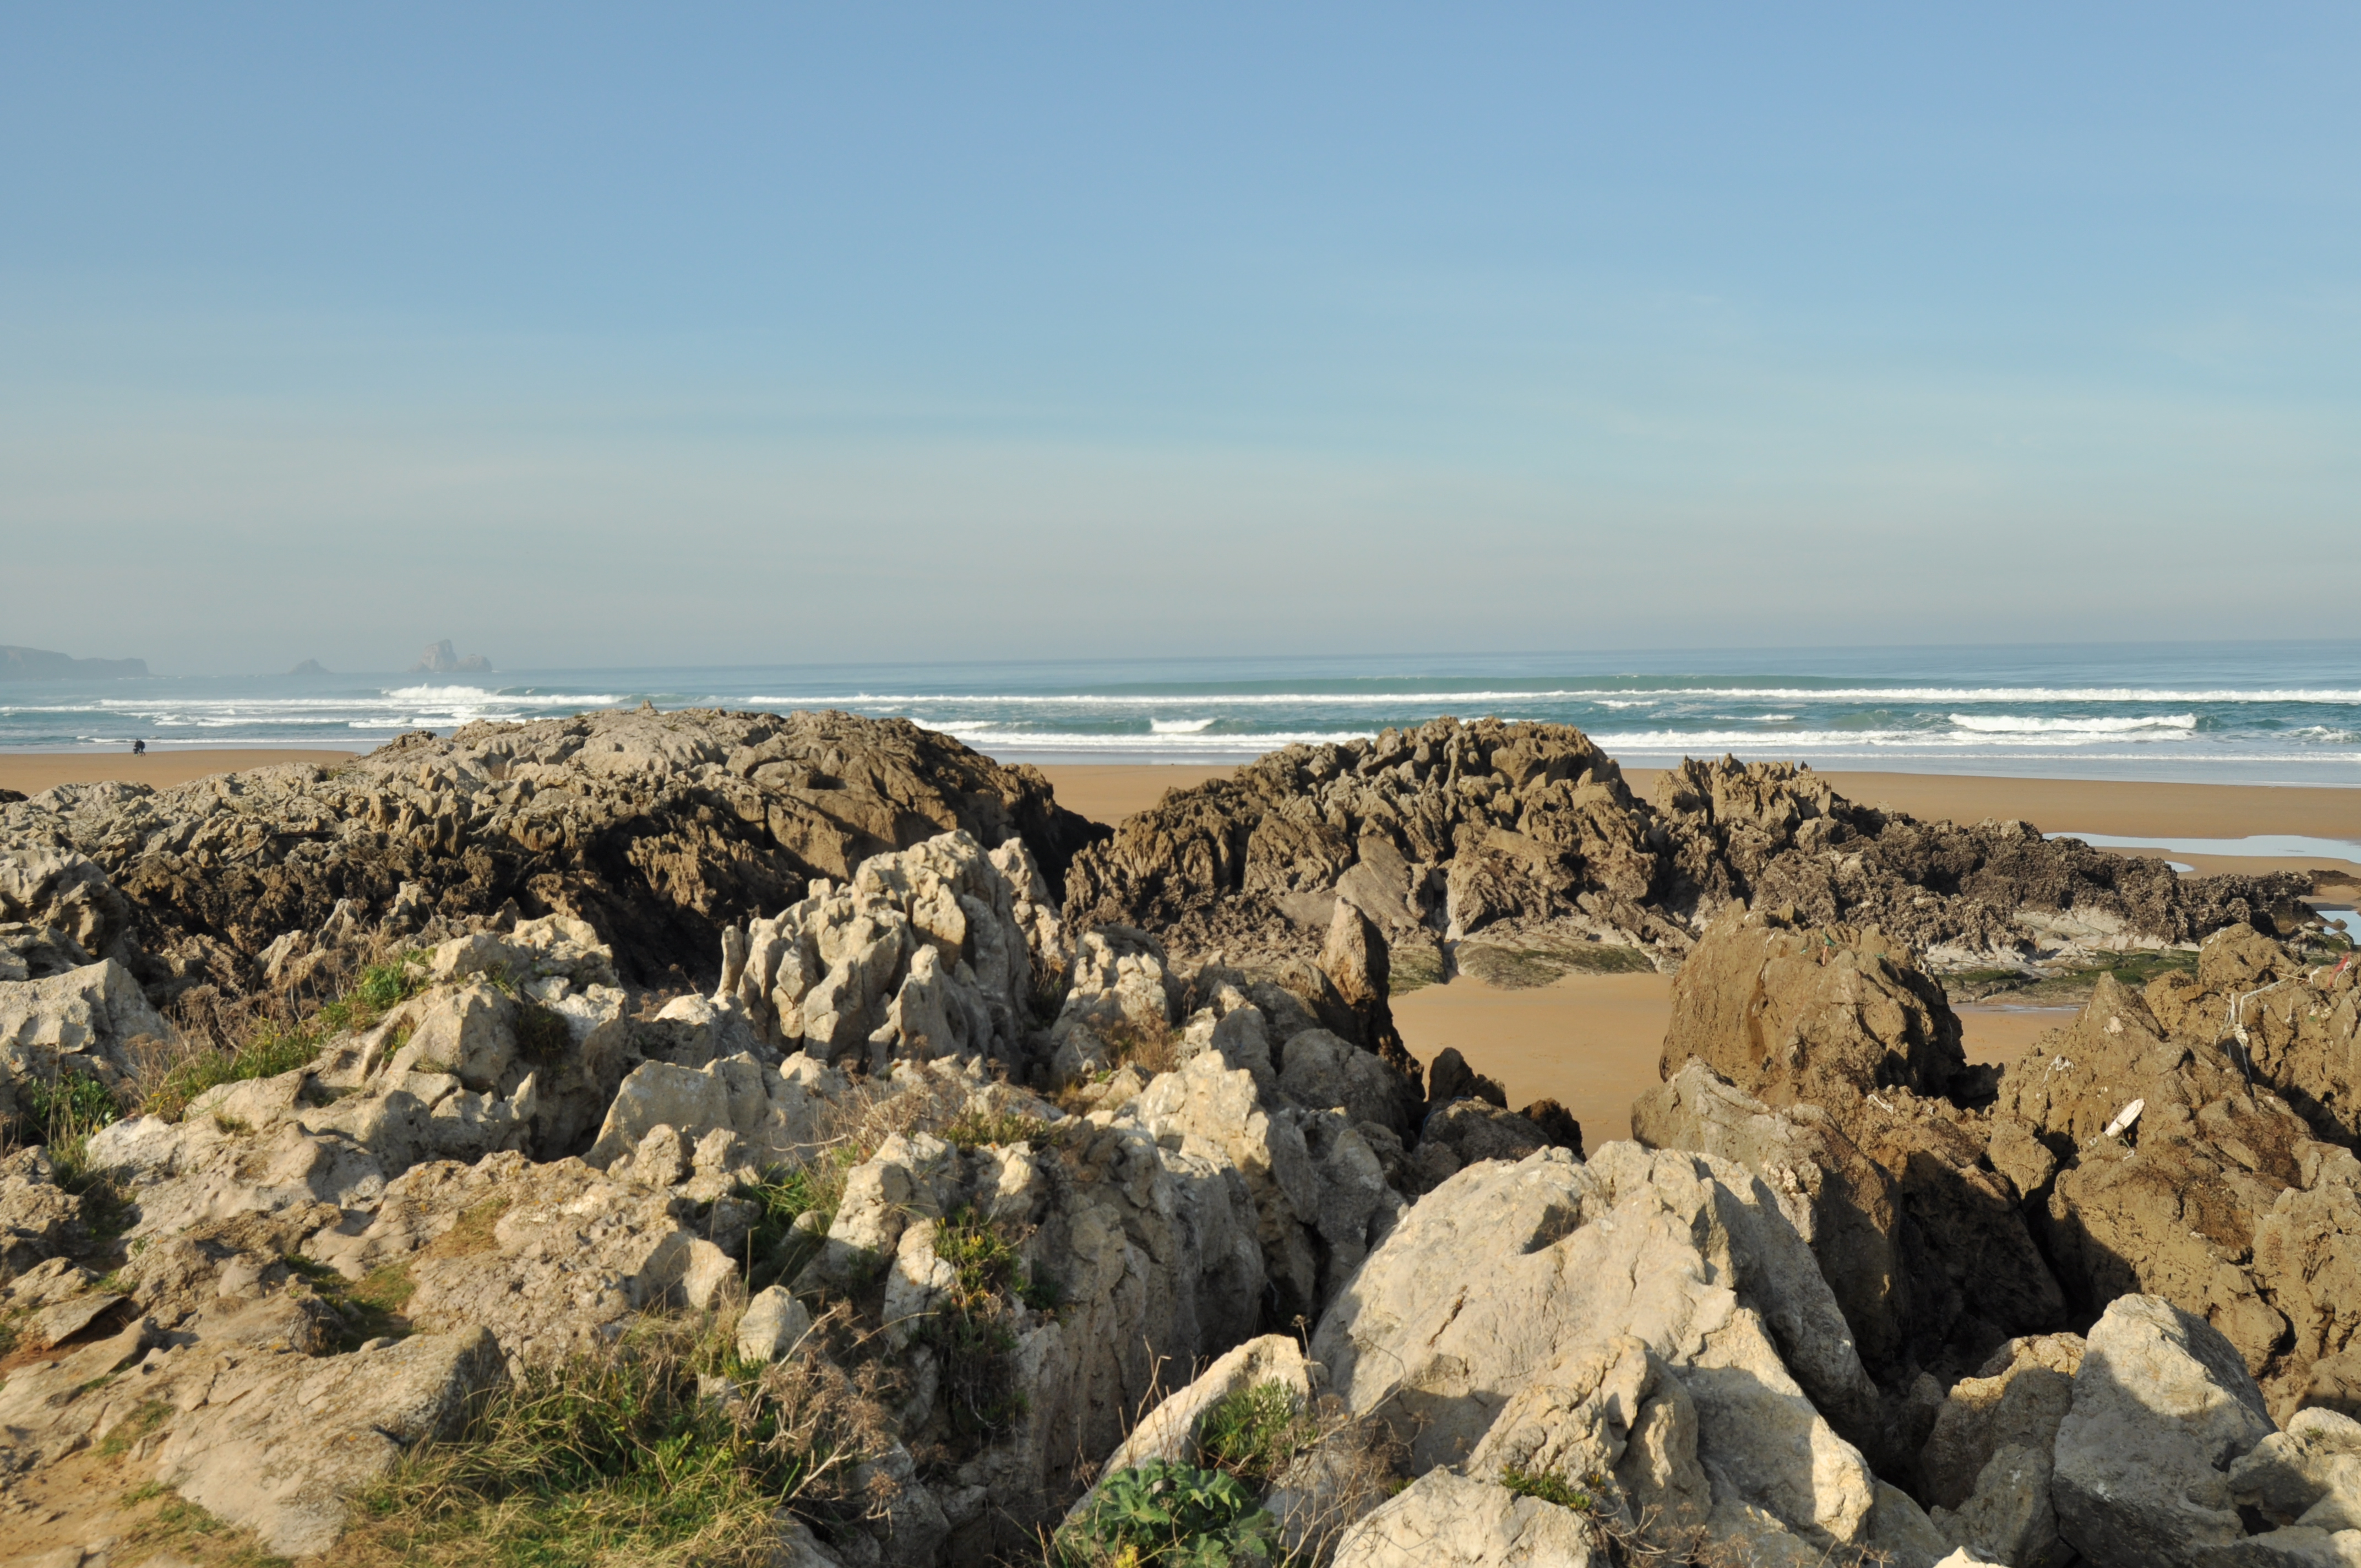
659,828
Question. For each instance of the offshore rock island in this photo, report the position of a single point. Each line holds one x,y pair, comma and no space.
896,1167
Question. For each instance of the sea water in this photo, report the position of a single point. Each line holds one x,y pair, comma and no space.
2217,713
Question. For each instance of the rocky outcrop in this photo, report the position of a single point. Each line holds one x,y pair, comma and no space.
2162,1406
1824,1014
1822,1059
658,829
1520,848
91,1023
1687,1255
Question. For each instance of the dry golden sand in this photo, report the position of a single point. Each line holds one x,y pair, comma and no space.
29,772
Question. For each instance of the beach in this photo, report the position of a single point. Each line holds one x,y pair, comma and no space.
1591,1042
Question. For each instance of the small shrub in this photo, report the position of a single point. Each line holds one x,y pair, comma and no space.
971,1329
151,1414
775,1250
1161,1513
1548,1488
1151,1049
972,1130
542,1036
1254,1433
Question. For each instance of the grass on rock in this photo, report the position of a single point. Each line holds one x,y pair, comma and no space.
613,1457
272,1046
1256,1432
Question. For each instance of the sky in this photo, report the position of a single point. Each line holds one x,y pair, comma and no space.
600,335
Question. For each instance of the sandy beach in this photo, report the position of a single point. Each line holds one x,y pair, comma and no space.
1590,1041
29,772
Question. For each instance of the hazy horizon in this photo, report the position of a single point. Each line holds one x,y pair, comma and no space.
595,338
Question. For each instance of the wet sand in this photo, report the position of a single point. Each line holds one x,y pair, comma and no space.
30,773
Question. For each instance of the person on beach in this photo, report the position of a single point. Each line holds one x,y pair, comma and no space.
139,748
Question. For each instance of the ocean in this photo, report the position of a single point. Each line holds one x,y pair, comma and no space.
2285,713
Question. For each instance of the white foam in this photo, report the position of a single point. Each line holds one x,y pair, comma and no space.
2014,724
1178,726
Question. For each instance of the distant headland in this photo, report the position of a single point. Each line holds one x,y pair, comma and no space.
40,664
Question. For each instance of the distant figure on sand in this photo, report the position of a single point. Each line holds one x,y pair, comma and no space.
139,748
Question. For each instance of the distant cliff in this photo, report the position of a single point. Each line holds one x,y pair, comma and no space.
40,664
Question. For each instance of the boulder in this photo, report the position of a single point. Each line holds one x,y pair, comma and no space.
1839,1201
1443,1520
1790,1012
2017,1399
284,1455
2163,1406
1686,1253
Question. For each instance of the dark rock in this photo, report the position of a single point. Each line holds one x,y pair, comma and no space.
1557,1124
1450,1077
658,829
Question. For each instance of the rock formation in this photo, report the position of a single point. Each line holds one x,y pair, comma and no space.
1049,1211
1519,848
657,828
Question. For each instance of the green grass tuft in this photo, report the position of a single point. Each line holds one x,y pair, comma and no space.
613,1457
1256,1432
972,1130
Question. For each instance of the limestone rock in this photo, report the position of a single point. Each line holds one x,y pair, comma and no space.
1443,1520
1688,1255
2162,1407
285,1459
657,829
1838,1199
2017,1399
774,1324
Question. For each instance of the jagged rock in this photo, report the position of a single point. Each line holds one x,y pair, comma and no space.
1488,829
1320,1208
58,912
1154,1253
1824,1016
283,1452
1449,1077
1610,1408
2162,1407
1838,1199
39,1219
1320,1071
86,1022
659,830
1443,1520
1356,962
2017,1399
1120,996
1169,1431
2308,1476
544,1255
1687,1254
2008,1517
921,955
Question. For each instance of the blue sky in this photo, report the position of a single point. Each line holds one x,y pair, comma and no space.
605,335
